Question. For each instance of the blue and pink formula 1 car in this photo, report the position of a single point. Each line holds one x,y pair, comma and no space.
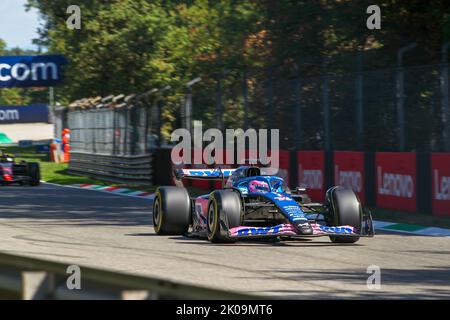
252,205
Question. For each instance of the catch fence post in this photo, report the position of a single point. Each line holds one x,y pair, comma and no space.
401,96
444,97
326,109
359,103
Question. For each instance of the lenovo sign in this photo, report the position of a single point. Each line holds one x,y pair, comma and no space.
349,171
396,180
311,173
440,176
283,170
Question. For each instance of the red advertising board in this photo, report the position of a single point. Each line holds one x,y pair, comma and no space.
220,156
349,171
197,154
440,181
396,180
283,165
311,173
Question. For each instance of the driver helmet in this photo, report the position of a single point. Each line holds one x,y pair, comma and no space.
258,186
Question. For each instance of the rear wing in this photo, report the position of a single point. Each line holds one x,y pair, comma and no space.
203,174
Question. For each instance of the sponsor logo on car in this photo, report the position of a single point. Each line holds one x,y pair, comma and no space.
294,212
281,197
207,173
341,229
281,229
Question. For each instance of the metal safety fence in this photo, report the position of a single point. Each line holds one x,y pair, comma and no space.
111,138
316,105
117,129
392,109
368,101
31,278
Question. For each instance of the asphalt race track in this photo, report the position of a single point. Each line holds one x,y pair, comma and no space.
110,231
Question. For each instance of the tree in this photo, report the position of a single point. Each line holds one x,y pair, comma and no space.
128,46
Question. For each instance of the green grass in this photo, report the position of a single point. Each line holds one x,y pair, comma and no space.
57,172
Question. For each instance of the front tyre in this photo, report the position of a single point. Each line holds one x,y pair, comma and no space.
171,211
223,207
345,209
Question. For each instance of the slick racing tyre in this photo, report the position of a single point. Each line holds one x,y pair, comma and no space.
223,207
34,172
171,211
345,209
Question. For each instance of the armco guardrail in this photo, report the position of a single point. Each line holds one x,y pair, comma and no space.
118,169
31,278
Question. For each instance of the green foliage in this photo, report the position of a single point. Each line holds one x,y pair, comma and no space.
132,46
135,45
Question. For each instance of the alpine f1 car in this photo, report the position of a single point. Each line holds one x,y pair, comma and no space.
252,205
21,173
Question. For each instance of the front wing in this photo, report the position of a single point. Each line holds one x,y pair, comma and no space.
287,230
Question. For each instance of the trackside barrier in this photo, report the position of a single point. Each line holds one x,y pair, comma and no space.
135,170
440,176
349,172
396,180
409,181
31,278
311,173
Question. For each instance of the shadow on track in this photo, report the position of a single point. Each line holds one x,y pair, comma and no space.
83,207
438,277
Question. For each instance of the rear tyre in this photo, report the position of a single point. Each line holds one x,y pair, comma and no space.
345,209
223,207
34,172
171,211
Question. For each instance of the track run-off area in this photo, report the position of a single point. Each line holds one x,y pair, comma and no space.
114,232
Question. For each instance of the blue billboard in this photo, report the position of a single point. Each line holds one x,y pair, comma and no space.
31,71
24,114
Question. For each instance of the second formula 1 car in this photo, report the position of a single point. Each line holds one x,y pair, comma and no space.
12,172
253,205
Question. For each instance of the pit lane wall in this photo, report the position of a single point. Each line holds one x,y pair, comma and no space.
406,181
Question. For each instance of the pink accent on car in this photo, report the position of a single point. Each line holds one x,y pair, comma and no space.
258,186
282,229
288,229
203,202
